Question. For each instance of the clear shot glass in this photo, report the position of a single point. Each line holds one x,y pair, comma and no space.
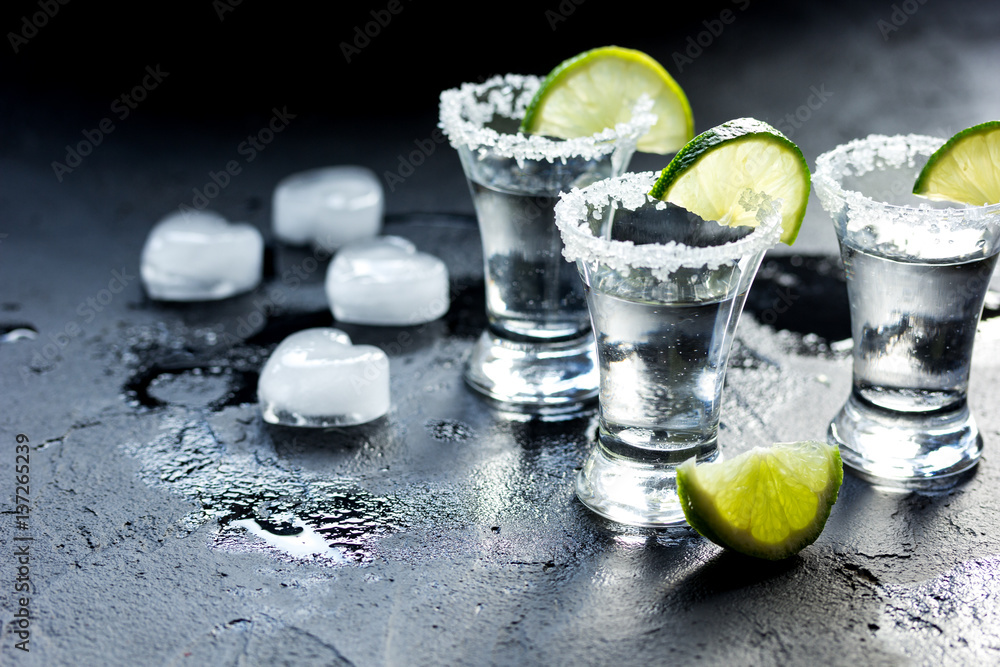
537,356
917,273
665,291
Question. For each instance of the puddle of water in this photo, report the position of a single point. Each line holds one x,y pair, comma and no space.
246,490
329,522
193,387
207,384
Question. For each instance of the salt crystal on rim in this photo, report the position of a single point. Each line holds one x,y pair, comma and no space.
465,111
630,191
897,231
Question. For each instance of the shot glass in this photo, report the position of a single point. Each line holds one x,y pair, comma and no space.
665,291
917,273
537,356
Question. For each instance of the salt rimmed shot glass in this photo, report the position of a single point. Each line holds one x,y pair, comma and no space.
537,357
665,291
917,273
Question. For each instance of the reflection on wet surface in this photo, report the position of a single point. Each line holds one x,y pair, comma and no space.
806,295
212,386
247,488
14,331
448,430
332,522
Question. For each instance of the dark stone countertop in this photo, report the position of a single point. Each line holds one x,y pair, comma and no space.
162,508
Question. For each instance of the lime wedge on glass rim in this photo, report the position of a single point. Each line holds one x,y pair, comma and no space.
769,502
598,89
966,169
709,175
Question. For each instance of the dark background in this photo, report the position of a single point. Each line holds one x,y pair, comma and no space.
230,61
903,66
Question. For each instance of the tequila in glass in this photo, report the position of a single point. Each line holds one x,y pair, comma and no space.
917,273
537,357
665,291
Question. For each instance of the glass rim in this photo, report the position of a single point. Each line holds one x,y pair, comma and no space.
630,191
831,169
463,131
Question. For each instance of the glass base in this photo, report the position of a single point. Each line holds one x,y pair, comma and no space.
906,450
542,379
635,490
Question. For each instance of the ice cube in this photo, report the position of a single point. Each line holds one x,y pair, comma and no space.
385,281
317,377
328,207
199,256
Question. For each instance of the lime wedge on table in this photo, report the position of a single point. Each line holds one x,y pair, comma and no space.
709,175
966,169
769,502
598,88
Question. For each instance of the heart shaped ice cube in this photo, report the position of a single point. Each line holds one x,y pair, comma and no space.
317,377
199,256
385,281
328,207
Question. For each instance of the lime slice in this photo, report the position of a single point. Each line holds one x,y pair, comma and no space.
598,88
768,502
966,169
712,172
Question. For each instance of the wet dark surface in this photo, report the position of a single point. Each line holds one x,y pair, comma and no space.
171,526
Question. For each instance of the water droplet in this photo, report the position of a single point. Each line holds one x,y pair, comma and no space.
11,333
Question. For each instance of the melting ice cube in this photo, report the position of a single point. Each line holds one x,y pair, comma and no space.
328,207
198,256
385,281
317,377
